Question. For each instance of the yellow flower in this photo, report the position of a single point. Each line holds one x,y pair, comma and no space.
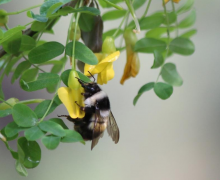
133,64
69,95
104,68
176,1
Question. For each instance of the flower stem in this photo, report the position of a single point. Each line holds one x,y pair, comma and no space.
122,22
31,101
173,7
6,26
168,36
146,11
29,23
27,9
74,38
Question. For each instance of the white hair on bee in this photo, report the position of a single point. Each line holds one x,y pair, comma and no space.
92,100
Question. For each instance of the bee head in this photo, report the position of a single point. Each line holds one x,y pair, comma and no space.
90,87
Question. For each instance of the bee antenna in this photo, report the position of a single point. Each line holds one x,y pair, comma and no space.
92,76
80,80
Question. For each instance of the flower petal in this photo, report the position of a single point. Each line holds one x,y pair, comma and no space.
68,97
111,58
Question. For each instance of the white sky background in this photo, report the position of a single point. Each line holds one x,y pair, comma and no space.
175,139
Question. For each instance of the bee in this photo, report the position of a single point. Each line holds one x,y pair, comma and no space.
98,116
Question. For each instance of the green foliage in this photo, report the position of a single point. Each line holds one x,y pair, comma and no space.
24,55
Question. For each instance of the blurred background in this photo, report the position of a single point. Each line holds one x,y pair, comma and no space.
175,139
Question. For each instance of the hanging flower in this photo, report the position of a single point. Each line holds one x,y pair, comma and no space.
176,1
69,95
133,64
104,68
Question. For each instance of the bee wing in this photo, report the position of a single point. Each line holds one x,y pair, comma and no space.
96,130
112,128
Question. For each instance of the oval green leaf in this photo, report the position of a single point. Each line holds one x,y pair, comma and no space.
24,116
143,89
182,46
163,90
170,75
151,22
5,112
112,15
86,22
82,53
53,128
20,69
29,152
45,52
189,33
148,45
59,121
158,59
50,142
33,134
27,43
189,20
21,169
72,136
44,80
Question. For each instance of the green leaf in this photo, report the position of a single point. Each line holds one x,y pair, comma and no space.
33,134
53,9
151,22
189,20
27,43
143,89
20,69
41,18
112,15
86,22
44,80
10,65
53,128
65,76
51,142
6,112
158,32
1,33
12,45
189,33
138,3
45,52
13,153
148,45
12,32
29,152
12,129
24,116
4,1
172,17
29,75
170,75
163,90
21,169
82,53
41,108
186,7
113,5
11,101
7,137
111,32
88,10
106,5
72,136
182,46
38,26
158,59
59,121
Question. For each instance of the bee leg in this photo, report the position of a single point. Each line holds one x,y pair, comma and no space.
69,118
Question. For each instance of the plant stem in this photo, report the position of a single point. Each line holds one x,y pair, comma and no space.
173,7
168,36
122,22
33,64
6,26
5,102
69,30
27,9
31,101
74,37
146,11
